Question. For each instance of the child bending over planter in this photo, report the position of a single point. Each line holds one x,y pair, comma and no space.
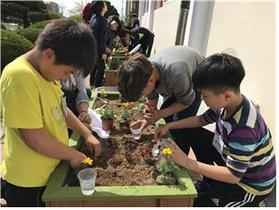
34,113
243,173
169,74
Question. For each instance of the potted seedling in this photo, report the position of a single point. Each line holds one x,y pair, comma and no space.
107,116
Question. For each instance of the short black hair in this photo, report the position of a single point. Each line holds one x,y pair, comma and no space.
97,6
133,77
73,44
219,72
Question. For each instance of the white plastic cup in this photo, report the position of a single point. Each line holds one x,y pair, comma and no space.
87,179
136,133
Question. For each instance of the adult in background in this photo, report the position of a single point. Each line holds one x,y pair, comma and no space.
114,32
99,26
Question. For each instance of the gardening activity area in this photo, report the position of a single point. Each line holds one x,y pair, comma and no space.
131,162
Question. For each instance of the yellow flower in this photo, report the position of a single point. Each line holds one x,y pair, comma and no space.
87,161
126,105
167,151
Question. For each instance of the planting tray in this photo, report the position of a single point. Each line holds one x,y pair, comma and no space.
58,193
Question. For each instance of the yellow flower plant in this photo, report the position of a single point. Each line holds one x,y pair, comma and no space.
126,104
87,161
167,151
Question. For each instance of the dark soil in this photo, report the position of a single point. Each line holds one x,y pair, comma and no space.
124,161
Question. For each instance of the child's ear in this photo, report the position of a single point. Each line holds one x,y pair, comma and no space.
48,55
228,95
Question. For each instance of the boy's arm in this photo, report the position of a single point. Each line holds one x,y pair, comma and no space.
220,173
189,122
43,143
74,123
155,114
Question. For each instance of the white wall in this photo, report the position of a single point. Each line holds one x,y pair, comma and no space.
249,28
164,25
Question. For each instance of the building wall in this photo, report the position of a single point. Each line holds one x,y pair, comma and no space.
164,24
249,28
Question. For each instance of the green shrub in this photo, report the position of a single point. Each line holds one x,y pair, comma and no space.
40,24
30,33
76,18
40,16
12,46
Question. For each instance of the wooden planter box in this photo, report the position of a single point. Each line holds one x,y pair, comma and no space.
57,194
111,77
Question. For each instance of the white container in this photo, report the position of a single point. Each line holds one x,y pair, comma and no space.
87,179
136,133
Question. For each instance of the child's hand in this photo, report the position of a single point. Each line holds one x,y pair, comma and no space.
160,132
178,156
152,117
93,145
151,108
84,117
143,124
75,161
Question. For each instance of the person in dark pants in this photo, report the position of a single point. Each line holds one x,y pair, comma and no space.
138,35
99,26
167,73
243,168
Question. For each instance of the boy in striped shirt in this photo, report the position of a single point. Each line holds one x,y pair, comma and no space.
245,170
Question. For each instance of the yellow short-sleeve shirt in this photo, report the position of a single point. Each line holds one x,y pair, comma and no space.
28,100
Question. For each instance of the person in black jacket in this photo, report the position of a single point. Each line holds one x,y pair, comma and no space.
99,26
138,35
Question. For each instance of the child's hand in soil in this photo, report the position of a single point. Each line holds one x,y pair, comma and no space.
76,159
93,145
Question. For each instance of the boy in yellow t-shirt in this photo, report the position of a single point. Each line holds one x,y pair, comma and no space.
34,115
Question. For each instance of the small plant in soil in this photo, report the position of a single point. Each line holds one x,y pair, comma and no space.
166,167
125,117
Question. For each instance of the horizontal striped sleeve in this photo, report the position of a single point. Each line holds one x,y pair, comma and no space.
241,142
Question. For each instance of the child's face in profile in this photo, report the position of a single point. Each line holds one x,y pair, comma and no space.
52,71
213,100
58,72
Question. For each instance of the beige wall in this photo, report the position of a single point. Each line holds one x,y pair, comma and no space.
249,28
164,25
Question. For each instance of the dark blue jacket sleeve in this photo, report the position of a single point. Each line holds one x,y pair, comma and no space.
99,26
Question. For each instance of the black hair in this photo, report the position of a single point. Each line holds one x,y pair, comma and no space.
73,44
219,72
97,7
124,31
133,77
116,19
136,23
